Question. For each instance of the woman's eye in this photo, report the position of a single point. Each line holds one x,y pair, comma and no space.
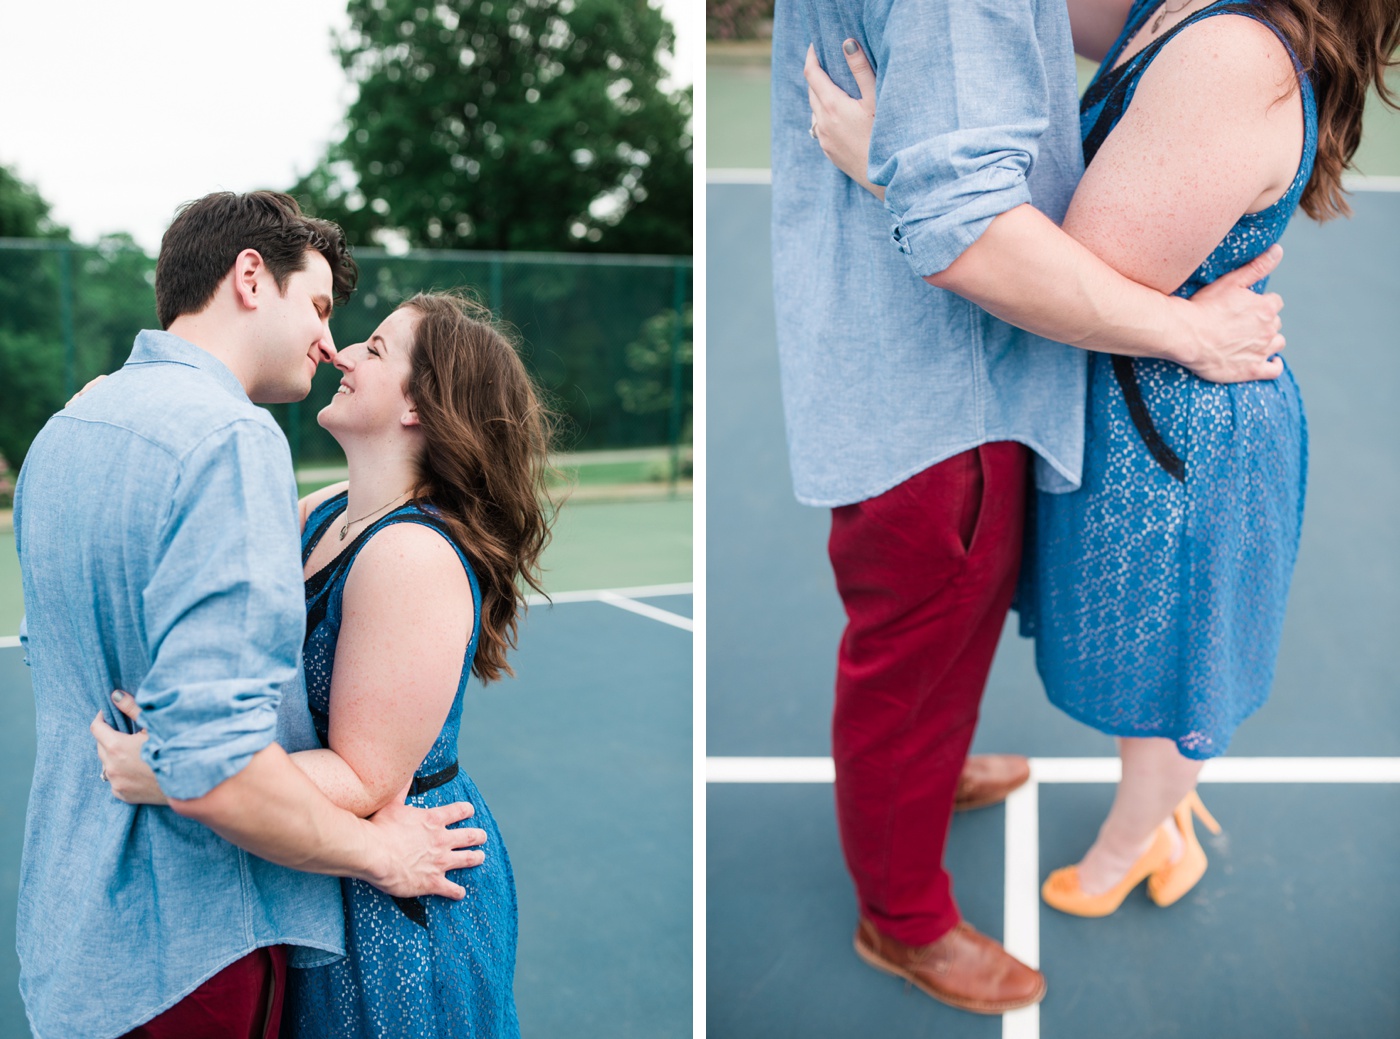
374,351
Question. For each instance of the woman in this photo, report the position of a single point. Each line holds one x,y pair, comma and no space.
411,582
1156,592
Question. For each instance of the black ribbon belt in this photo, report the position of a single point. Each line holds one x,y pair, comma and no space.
415,908
422,784
1168,459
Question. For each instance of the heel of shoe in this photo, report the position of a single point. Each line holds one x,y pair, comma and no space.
1170,883
1194,800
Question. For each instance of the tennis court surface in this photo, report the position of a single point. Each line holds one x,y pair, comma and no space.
1295,929
586,760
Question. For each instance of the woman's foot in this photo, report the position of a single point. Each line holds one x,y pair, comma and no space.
1105,866
1063,889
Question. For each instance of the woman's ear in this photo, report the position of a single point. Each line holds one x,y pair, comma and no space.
409,417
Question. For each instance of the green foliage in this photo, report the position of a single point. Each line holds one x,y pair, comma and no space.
652,360
108,289
23,213
510,125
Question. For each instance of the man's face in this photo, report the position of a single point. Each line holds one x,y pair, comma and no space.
294,333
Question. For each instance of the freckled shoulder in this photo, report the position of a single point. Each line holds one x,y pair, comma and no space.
1231,50
409,561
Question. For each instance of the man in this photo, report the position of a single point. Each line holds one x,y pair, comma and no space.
914,414
156,526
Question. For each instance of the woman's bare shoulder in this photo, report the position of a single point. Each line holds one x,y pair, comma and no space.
408,559
1231,50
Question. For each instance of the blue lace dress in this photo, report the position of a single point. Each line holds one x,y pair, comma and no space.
430,968
1156,592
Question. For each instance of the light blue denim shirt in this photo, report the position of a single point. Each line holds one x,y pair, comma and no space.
156,525
884,375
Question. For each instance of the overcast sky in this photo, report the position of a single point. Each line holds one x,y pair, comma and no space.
118,112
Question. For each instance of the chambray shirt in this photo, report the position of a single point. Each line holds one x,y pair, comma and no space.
884,375
157,533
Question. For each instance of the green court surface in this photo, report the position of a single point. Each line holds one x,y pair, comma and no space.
597,544
736,96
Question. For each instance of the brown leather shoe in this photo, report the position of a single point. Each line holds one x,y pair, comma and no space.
988,778
964,969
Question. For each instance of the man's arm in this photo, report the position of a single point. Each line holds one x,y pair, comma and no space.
950,156
224,618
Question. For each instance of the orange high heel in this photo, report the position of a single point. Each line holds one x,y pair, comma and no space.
1173,880
1061,889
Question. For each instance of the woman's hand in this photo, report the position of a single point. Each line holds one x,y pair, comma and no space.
131,778
86,386
842,124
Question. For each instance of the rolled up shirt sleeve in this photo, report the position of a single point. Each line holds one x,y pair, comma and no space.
962,102
224,610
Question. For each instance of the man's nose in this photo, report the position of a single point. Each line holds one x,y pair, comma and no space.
326,348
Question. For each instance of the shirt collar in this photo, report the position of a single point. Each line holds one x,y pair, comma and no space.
153,347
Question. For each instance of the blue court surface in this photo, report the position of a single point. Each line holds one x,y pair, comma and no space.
586,760
1295,929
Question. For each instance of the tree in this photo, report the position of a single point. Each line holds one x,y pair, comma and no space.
23,211
509,124
54,293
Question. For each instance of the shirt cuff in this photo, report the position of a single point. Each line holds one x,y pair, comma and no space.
199,760
934,232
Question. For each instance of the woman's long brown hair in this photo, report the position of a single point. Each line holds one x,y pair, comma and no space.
487,437
1346,46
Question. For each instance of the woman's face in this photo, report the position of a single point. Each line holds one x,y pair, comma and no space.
374,373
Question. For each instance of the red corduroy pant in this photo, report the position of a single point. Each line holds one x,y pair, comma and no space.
242,1001
926,572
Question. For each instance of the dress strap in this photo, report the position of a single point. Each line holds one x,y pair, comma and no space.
319,522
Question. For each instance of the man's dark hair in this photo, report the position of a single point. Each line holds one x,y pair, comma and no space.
208,234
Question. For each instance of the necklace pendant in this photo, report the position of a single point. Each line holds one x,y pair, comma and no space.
343,530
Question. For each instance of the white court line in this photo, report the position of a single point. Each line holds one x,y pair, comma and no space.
1021,882
611,596
645,610
597,594
1086,770
1361,182
1021,907
739,176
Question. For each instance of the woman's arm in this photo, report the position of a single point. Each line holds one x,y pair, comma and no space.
1215,130
308,504
1096,24
406,620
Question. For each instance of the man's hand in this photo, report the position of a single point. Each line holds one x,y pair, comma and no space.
419,849
1235,331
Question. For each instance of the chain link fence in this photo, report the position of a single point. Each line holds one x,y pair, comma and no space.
608,338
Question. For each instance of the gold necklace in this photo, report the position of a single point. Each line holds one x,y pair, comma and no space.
1162,14
345,527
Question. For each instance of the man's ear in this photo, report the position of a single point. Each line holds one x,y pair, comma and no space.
248,271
